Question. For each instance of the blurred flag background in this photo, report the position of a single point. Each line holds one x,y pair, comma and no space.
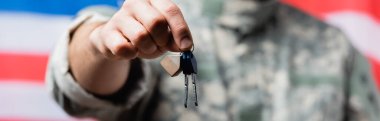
30,28
28,31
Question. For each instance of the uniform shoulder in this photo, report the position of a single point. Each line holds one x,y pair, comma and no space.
307,30
292,16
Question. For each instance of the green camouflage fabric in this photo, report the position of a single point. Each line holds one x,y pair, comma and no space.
261,62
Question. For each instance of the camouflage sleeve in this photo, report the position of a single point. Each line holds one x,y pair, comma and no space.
125,104
362,96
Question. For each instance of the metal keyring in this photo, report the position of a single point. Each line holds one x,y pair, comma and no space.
192,50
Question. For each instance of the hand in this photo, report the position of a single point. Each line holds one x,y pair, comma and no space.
143,28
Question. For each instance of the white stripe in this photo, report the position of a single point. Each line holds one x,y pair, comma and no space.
27,100
30,33
361,29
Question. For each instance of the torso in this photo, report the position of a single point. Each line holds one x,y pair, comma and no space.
292,69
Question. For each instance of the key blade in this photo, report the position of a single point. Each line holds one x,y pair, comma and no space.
186,89
194,78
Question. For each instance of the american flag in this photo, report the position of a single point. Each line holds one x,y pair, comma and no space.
30,28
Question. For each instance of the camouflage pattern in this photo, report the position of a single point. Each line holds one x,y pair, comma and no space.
273,64
265,62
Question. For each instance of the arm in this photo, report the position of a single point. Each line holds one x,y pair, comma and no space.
362,96
90,68
96,59
99,53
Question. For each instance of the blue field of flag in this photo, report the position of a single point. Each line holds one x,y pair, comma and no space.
60,7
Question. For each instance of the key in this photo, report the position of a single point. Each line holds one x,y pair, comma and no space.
186,89
185,62
195,89
188,65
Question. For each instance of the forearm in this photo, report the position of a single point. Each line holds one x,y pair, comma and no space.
99,54
90,68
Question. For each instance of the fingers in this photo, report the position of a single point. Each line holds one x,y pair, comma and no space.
144,28
114,45
177,24
137,34
172,46
153,21
120,46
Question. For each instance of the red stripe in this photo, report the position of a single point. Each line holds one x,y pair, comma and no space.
23,67
320,8
46,119
376,70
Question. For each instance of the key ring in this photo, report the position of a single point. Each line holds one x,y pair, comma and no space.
193,47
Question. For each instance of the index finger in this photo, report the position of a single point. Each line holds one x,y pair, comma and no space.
177,24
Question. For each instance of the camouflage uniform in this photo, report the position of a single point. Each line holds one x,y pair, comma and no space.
272,64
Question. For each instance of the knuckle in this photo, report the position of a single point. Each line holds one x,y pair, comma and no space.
180,28
172,9
139,36
116,50
157,22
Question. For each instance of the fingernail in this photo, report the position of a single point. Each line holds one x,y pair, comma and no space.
186,43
